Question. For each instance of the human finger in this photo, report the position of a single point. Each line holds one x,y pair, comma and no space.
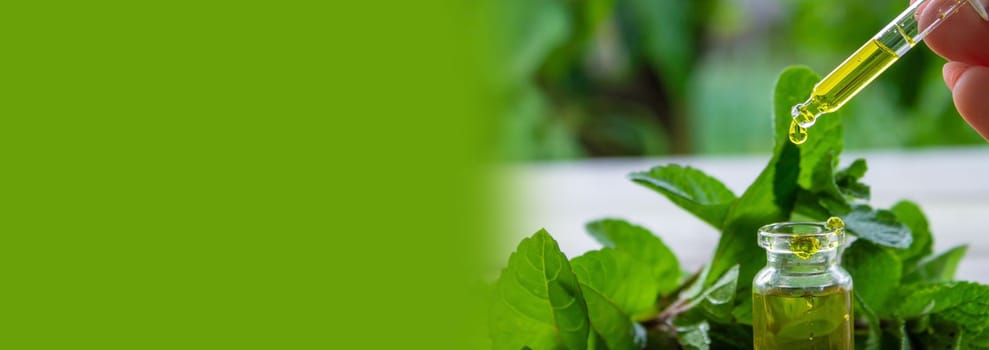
969,85
963,37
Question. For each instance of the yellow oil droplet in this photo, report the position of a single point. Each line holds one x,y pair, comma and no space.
835,223
804,247
797,133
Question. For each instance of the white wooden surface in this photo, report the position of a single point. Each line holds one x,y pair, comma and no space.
951,186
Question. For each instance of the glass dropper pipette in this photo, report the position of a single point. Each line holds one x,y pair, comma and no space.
870,60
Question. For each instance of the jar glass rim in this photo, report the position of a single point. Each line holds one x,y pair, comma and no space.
778,237
790,229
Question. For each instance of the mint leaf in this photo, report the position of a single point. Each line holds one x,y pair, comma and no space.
876,272
963,303
611,324
730,336
617,277
694,337
855,171
937,269
910,215
824,188
848,180
743,312
977,342
874,335
622,282
697,286
716,302
772,196
878,226
941,334
808,207
758,206
738,240
819,154
647,249
691,189
537,302
895,335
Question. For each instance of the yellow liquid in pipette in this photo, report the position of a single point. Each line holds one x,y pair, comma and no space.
852,75
843,83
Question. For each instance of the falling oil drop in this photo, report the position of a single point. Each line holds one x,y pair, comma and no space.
797,133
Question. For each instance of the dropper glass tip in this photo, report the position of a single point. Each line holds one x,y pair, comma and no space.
802,116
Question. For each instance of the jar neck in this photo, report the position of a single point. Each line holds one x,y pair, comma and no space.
790,263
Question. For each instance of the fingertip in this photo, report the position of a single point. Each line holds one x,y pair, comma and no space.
951,71
962,37
969,93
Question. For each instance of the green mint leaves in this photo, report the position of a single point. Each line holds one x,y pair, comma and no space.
538,302
646,250
632,294
879,226
694,191
876,271
961,304
601,294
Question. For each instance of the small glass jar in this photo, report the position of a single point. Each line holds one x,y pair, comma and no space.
802,299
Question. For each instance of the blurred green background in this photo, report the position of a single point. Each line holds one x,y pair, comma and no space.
600,78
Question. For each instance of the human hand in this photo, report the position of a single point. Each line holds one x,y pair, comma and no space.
963,39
